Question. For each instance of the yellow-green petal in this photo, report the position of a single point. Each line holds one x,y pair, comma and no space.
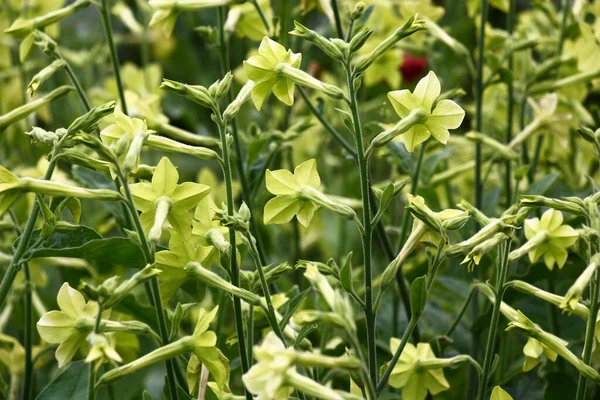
281,209
307,174
281,182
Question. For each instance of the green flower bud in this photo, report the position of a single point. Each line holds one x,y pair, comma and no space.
23,111
40,135
359,39
44,75
321,42
210,278
234,107
21,27
198,94
571,300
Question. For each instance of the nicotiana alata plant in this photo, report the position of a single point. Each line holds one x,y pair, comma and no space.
302,200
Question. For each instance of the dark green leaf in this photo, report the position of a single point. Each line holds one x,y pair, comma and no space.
346,274
71,383
292,306
418,296
540,187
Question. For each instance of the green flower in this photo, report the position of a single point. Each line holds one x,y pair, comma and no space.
560,238
415,381
444,116
62,326
534,350
245,21
164,199
500,394
183,248
102,351
135,132
261,69
285,186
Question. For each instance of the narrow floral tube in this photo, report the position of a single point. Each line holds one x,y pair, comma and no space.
22,27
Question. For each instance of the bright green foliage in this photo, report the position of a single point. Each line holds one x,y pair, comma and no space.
262,70
285,186
500,394
441,117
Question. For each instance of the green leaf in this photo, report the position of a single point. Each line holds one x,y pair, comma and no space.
346,272
71,383
405,159
499,394
180,311
292,306
78,241
147,396
540,186
418,296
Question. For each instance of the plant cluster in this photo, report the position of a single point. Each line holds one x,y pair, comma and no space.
348,201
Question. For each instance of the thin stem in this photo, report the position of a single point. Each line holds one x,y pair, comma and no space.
92,370
386,375
28,329
368,230
414,185
114,57
261,14
233,265
589,333
461,314
559,49
237,147
155,297
338,20
511,101
250,333
75,82
479,88
489,349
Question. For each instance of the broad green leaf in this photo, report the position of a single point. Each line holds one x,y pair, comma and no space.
499,394
418,296
71,383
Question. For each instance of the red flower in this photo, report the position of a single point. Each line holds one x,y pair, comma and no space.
413,67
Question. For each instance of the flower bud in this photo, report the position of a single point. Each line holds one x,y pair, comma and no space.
415,117
359,39
571,300
414,24
573,205
23,111
536,241
170,145
135,149
234,107
358,11
44,75
22,27
198,94
40,135
321,42
163,205
89,121
221,87
302,78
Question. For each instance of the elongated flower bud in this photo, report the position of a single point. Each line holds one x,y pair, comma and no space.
210,278
416,117
300,77
51,188
321,42
170,145
23,27
388,276
573,205
44,75
243,96
571,299
556,300
23,111
163,205
135,149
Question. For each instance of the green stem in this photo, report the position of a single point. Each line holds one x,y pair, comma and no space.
155,298
561,40
114,58
461,314
233,265
28,329
489,349
589,333
338,20
250,333
92,370
386,375
261,14
76,83
237,147
511,100
368,230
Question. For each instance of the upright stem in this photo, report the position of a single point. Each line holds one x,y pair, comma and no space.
233,266
92,371
114,58
154,286
237,147
489,349
510,25
479,89
589,333
75,82
338,20
368,229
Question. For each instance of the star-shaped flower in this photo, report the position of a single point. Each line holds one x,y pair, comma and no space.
102,351
444,116
561,237
62,327
415,381
285,186
163,199
261,68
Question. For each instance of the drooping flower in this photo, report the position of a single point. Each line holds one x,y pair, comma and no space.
261,68
560,237
534,350
416,382
163,199
62,326
439,119
101,351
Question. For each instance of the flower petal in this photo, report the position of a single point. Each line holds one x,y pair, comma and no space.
281,182
187,195
165,178
261,91
307,174
403,102
70,301
428,89
280,209
446,115
55,326
143,195
415,136
284,91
